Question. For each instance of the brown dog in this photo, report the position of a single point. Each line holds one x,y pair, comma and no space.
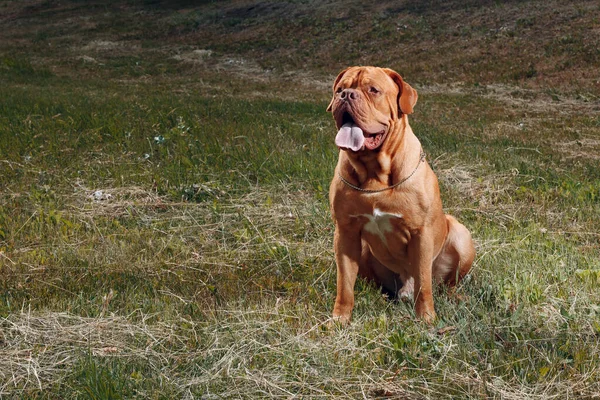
385,199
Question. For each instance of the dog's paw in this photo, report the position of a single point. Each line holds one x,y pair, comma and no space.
425,312
337,320
406,293
428,317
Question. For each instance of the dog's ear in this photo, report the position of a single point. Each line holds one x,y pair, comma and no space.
407,96
337,80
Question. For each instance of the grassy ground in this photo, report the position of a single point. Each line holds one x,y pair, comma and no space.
164,226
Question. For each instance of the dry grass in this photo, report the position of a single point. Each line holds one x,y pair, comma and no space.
37,348
529,100
586,147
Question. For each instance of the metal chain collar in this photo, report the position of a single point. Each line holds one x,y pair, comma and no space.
421,159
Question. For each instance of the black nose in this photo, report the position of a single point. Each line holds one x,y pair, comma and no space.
349,94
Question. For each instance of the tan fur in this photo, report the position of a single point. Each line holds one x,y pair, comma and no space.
424,244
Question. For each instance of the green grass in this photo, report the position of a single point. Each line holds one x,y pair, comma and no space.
164,225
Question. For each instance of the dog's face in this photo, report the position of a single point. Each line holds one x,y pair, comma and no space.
367,101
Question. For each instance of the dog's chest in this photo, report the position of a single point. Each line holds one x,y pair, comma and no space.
386,234
381,223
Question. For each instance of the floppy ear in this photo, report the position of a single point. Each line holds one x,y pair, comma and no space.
337,80
407,97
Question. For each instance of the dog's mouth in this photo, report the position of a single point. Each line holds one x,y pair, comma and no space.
353,137
347,118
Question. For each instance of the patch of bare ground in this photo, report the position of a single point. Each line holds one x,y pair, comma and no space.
534,100
587,147
245,69
98,51
107,45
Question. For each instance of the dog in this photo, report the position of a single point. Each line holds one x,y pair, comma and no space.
384,197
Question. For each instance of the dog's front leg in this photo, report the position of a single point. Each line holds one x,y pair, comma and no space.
421,261
347,247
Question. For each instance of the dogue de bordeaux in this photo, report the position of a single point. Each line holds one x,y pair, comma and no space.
385,201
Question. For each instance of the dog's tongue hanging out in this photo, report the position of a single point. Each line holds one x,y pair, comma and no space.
350,136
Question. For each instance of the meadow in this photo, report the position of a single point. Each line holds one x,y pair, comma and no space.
164,222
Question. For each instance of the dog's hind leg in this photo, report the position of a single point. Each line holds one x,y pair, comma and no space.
457,255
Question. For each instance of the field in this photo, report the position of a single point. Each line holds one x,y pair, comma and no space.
164,224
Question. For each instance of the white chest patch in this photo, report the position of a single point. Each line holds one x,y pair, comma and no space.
380,223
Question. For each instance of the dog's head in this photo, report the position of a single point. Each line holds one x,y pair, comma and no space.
366,104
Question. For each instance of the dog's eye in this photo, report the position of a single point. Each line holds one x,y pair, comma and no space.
373,90
339,90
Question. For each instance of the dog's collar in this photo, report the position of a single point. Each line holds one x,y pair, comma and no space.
400,182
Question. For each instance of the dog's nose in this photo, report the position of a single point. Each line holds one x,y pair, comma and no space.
349,94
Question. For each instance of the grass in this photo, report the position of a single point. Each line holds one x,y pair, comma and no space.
164,226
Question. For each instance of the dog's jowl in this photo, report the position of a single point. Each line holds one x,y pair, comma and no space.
389,224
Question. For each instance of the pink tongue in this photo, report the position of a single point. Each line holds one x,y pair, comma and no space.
350,137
